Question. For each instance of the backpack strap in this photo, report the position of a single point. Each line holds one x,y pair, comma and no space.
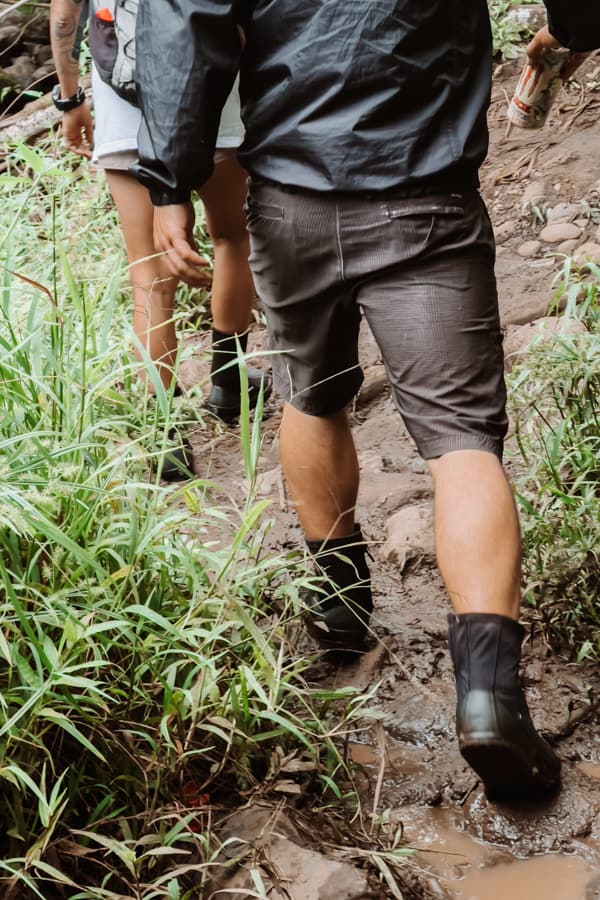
83,17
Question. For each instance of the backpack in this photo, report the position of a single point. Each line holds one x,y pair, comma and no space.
112,44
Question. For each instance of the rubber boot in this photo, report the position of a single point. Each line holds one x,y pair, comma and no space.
339,611
178,462
495,733
224,398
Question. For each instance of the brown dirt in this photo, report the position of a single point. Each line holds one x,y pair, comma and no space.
468,847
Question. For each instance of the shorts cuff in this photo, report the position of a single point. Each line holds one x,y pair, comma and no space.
449,444
319,403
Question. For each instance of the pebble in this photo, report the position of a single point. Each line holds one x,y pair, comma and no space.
410,534
504,231
567,246
534,194
529,249
563,212
588,252
559,232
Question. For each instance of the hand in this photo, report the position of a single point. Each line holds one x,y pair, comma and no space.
78,130
541,43
174,236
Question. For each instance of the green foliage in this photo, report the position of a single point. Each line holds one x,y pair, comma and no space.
556,405
508,32
145,672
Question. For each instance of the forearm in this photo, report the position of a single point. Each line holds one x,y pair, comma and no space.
64,19
198,46
575,23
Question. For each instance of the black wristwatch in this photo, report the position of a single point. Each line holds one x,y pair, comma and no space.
70,102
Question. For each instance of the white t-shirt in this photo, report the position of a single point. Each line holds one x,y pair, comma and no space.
116,122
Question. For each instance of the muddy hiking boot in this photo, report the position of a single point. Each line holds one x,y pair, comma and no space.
224,398
495,733
340,609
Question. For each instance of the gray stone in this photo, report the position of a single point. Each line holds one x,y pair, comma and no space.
529,249
290,870
389,491
567,247
563,212
559,232
410,534
504,231
534,194
588,252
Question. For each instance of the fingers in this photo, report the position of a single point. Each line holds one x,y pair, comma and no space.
188,265
77,130
173,234
540,44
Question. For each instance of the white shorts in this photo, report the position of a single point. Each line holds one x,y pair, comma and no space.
116,124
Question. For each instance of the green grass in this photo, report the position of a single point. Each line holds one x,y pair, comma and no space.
555,398
149,671
507,33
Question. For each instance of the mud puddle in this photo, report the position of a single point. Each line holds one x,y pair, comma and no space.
467,869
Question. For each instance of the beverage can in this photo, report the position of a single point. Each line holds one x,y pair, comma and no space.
536,90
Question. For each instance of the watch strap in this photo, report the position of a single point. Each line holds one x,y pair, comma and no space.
69,102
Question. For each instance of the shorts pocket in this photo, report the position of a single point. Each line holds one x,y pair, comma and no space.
257,210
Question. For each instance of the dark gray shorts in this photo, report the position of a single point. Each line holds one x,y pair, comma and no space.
422,272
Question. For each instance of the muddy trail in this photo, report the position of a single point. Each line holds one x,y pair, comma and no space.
468,848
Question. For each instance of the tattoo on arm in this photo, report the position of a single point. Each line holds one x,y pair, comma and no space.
64,18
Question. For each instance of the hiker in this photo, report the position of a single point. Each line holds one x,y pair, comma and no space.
111,144
365,129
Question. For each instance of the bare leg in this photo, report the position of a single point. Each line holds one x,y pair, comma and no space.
233,291
153,286
319,460
477,533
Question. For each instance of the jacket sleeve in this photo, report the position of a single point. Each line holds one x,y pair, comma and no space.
575,23
187,58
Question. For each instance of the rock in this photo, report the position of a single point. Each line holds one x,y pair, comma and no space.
269,483
9,35
581,223
563,212
307,875
21,70
375,383
530,18
418,466
529,249
388,491
410,534
597,236
534,194
559,232
504,231
567,246
519,340
588,252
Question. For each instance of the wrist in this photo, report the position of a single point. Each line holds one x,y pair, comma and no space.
65,102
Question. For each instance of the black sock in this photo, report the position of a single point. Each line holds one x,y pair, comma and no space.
224,351
343,562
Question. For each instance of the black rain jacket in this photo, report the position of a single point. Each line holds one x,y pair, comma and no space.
337,95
